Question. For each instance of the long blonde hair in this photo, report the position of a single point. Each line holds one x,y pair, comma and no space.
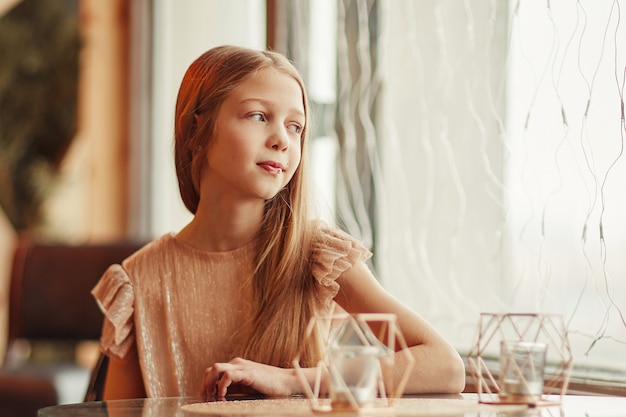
283,286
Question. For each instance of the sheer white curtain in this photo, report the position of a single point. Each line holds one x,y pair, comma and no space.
504,173
481,158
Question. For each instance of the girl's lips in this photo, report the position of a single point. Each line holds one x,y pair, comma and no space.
271,167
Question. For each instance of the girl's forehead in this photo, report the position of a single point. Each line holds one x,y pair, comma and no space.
270,85
271,76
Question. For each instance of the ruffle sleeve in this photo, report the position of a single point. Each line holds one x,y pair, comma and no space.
333,253
115,297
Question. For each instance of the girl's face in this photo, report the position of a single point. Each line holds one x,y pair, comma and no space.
257,144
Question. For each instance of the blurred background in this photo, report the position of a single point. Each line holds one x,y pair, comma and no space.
475,146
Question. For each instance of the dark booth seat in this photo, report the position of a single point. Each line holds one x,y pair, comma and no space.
51,312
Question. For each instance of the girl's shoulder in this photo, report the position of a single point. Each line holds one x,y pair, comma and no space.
155,247
331,238
333,251
155,255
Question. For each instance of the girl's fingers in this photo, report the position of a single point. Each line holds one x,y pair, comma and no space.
207,391
218,378
237,375
210,381
222,384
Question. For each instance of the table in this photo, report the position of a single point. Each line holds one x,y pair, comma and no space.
464,405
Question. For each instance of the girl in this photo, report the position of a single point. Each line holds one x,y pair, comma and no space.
224,303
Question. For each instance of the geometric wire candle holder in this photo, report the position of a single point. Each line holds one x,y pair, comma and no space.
492,362
356,362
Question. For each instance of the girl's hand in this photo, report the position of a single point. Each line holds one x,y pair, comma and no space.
241,376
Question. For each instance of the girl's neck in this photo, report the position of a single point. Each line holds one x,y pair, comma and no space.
217,230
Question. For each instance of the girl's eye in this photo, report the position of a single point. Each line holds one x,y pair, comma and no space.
260,117
295,128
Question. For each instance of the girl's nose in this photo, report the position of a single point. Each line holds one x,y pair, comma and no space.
279,139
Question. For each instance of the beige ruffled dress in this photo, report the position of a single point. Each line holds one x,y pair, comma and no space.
183,306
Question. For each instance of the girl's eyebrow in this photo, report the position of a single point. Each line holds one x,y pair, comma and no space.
269,104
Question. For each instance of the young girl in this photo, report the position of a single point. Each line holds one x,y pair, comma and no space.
223,304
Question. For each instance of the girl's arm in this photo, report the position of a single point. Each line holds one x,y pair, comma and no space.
438,367
124,378
242,376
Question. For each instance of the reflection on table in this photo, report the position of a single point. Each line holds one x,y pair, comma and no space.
465,405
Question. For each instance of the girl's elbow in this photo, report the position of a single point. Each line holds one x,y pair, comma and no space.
455,369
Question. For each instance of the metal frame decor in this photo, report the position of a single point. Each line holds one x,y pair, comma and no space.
485,361
328,331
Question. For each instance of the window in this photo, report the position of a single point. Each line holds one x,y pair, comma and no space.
480,156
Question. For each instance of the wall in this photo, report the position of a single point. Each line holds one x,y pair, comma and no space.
90,202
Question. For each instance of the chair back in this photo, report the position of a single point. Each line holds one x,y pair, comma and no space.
50,301
95,389
50,295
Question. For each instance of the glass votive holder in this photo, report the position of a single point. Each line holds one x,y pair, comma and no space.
522,368
354,376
